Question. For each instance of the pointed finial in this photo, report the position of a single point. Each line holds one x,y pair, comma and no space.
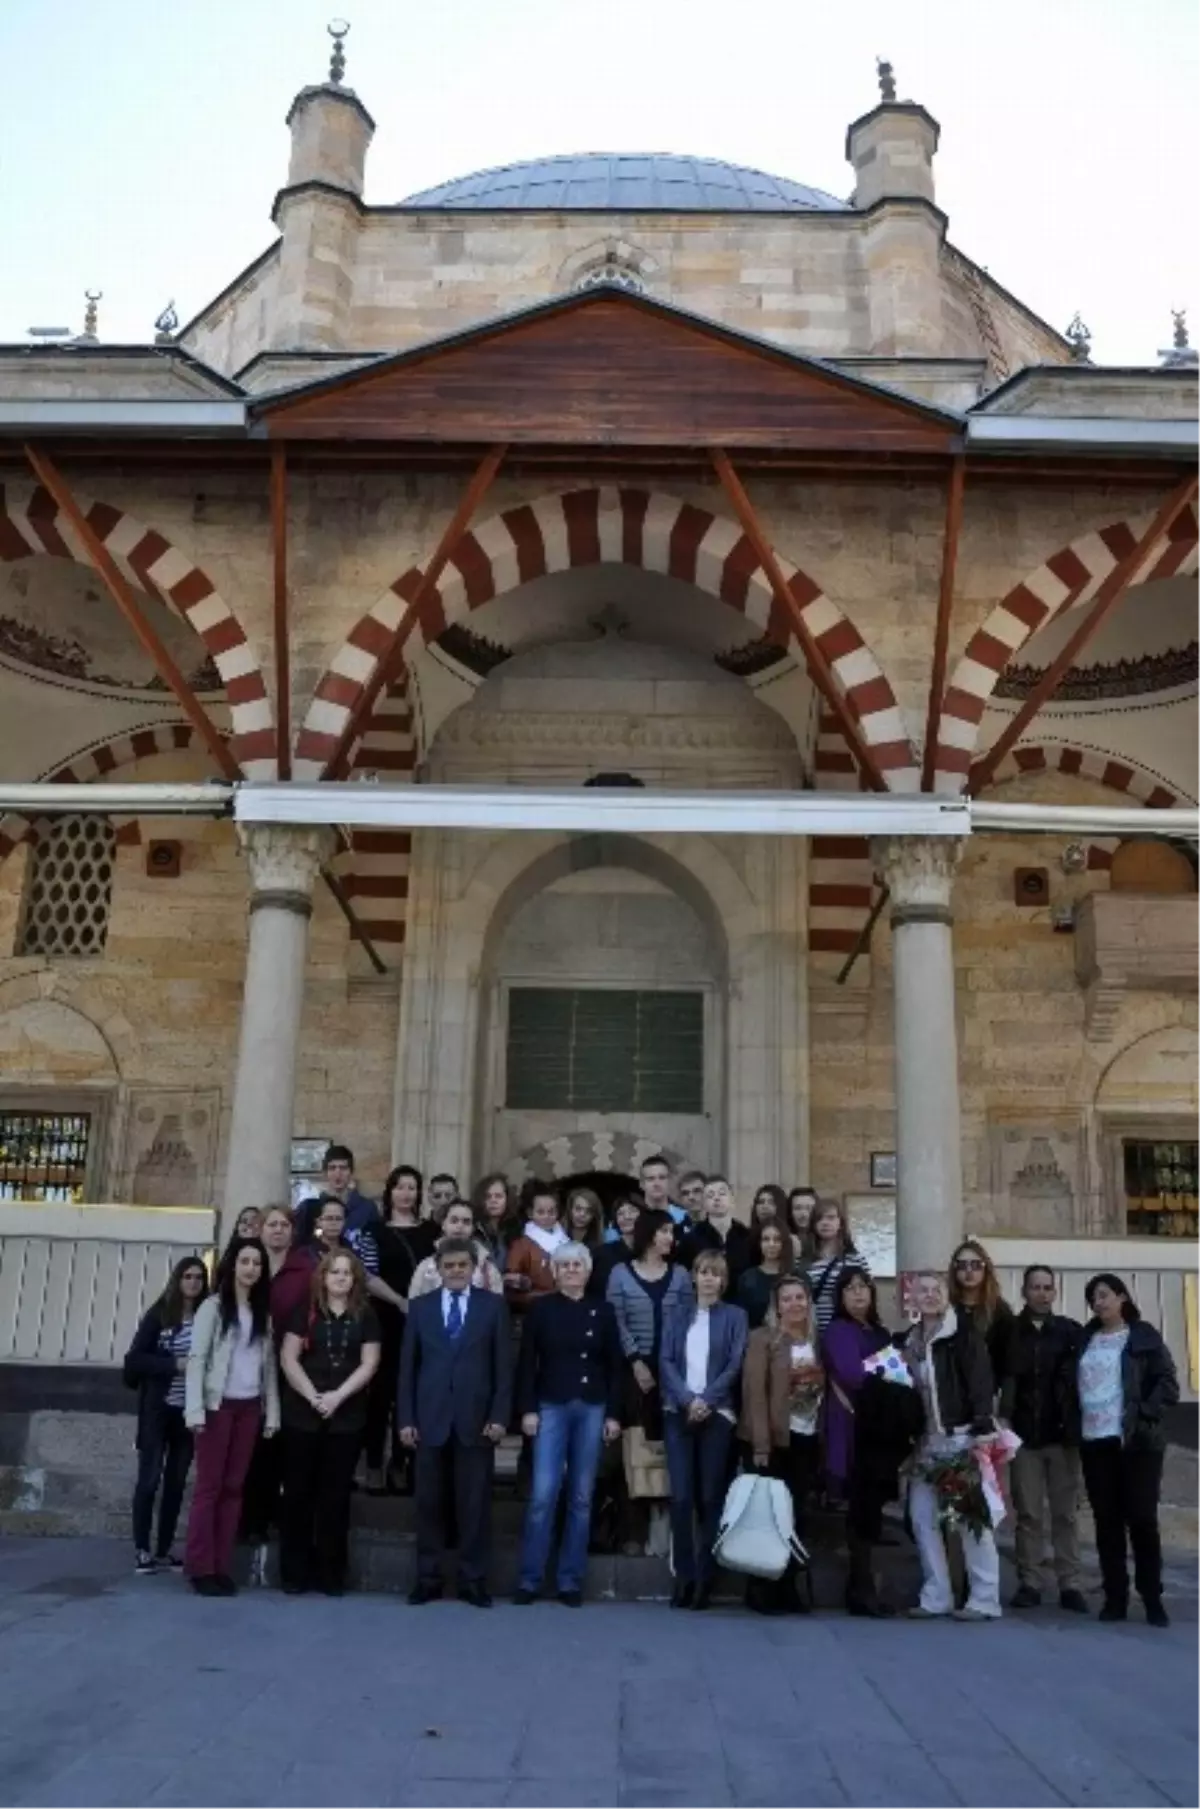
1080,338
167,325
1180,338
337,29
91,317
887,79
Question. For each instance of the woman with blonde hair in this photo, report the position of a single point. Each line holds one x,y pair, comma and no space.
699,1368
782,1387
330,1353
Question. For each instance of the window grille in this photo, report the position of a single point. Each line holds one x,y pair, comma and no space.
43,1156
615,273
600,1051
69,888
1160,1189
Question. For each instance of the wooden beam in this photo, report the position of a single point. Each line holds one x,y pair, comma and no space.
122,594
1114,587
357,930
283,662
819,668
385,668
941,632
864,936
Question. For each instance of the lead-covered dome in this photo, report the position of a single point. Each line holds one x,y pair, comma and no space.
629,181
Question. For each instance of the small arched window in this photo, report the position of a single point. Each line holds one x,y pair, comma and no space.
69,888
612,272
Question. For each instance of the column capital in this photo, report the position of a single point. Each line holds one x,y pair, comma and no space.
919,873
284,860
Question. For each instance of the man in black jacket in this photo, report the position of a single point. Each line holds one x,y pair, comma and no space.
453,1406
1039,1401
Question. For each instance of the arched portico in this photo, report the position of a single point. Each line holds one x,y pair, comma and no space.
1066,580
31,525
618,526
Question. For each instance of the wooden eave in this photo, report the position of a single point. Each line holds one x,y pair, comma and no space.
604,369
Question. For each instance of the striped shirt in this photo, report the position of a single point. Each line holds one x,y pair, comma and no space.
823,1278
178,1342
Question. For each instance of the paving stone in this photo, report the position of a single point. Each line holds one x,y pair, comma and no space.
113,1697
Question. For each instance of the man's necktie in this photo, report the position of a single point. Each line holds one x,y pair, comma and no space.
454,1318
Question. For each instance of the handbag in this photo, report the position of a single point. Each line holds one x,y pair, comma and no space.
757,1535
645,1465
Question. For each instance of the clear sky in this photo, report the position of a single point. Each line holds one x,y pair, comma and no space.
141,143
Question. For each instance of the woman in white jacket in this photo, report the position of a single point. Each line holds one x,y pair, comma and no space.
232,1389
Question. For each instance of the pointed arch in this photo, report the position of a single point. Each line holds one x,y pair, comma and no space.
31,525
94,763
1069,578
1118,774
620,526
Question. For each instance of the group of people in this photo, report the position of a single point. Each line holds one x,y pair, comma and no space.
418,1334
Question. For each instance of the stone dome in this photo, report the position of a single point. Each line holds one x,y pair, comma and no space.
629,181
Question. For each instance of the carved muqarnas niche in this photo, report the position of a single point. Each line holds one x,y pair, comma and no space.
171,1148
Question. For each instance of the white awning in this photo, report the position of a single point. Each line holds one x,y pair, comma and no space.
622,810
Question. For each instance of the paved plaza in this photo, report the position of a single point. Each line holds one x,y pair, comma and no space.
116,1690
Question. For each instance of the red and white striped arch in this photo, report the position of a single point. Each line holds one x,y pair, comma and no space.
620,526
94,764
31,524
1069,578
1118,775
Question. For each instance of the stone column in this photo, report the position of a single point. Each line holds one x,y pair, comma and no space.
284,861
929,1198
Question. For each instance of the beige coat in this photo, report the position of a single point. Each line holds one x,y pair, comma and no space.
208,1368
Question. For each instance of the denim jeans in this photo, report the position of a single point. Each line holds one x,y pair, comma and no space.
164,1456
698,1465
568,1443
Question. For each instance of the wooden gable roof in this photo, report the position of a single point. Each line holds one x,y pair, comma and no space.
606,368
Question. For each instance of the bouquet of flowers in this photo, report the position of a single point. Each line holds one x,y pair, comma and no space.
957,1482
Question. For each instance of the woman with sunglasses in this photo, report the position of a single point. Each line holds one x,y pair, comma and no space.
156,1365
975,1295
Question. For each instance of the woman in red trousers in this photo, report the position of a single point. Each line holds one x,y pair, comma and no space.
232,1388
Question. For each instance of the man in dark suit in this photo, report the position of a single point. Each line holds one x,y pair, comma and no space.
453,1406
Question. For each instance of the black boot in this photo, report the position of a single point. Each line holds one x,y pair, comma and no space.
862,1592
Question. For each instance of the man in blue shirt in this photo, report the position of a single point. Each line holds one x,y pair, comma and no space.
338,1184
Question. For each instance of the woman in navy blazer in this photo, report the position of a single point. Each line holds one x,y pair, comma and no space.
699,1367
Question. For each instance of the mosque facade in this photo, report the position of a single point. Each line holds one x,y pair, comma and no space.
615,473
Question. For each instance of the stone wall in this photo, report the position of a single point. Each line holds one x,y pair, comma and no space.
1035,1113
381,281
151,1026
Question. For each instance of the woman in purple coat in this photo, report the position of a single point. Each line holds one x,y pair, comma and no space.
854,1334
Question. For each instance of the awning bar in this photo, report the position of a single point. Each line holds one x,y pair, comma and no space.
627,810
592,809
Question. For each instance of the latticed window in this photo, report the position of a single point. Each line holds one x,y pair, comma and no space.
43,1155
70,888
592,1050
613,271
1161,1189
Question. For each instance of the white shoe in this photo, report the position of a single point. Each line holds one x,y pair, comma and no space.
973,1614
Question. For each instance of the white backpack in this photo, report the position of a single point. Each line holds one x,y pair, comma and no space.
757,1534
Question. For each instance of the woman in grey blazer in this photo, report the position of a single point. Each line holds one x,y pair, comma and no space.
699,1370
